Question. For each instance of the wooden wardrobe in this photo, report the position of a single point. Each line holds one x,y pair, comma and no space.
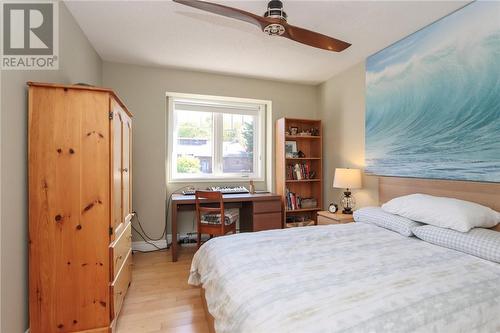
79,207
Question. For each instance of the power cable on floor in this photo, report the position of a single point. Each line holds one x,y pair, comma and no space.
144,235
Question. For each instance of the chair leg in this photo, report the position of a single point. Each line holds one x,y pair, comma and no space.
198,240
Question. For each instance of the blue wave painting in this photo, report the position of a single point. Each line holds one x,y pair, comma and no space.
433,100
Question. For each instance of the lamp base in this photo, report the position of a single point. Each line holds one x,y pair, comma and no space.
347,210
347,202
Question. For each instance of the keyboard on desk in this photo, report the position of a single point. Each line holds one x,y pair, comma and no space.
222,189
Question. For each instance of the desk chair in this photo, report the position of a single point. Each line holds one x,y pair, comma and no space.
209,209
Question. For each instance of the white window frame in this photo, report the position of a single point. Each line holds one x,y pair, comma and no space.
262,163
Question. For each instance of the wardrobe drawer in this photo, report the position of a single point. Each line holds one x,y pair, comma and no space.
119,250
266,206
120,286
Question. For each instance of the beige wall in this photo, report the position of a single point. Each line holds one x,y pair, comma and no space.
342,110
78,63
143,90
339,102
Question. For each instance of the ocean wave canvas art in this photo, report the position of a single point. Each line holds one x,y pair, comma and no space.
433,100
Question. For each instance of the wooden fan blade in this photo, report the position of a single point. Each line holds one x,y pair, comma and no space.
314,39
226,11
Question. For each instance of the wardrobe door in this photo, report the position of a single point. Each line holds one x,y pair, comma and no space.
126,146
69,193
117,198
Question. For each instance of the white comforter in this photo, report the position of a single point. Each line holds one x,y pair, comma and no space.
344,278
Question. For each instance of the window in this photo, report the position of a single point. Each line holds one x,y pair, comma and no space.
216,138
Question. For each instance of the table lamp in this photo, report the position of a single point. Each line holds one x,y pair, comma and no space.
347,179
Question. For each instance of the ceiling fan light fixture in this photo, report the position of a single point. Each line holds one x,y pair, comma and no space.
274,29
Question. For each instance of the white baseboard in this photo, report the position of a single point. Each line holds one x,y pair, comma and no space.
143,246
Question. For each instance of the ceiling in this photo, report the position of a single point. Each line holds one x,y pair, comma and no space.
166,34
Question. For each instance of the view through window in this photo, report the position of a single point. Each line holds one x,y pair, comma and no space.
214,139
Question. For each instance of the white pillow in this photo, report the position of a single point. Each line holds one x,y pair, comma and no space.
443,212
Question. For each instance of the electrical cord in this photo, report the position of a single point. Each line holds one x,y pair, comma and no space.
148,242
169,201
144,231
149,239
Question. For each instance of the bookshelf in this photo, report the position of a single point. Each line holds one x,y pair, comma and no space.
299,176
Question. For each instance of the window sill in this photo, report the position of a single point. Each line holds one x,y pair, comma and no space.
215,180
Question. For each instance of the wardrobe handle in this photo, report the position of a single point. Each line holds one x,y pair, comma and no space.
125,170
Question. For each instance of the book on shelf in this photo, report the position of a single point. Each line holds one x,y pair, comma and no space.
295,201
299,171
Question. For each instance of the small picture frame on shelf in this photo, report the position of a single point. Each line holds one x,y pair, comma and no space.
290,149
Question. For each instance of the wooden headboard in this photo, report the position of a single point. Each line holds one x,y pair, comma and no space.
487,194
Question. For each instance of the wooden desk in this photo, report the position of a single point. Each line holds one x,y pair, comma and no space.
260,211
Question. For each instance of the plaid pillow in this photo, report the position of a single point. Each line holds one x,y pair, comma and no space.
479,242
231,216
375,215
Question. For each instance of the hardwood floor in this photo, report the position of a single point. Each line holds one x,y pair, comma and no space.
159,299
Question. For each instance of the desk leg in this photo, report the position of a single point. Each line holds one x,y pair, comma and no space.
174,232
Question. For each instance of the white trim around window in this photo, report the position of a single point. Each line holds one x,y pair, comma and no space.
260,110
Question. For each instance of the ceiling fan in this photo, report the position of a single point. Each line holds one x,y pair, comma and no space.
273,23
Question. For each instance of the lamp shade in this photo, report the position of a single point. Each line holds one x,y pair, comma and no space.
347,178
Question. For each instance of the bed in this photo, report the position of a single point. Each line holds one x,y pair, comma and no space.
346,278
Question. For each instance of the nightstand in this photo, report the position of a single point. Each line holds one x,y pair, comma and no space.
325,217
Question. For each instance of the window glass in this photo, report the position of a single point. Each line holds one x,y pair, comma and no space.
238,144
193,144
214,139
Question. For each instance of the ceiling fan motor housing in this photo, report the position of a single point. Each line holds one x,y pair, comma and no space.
275,10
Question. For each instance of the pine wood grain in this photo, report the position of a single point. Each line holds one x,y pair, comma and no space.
120,285
68,141
70,210
82,87
126,147
117,217
119,250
